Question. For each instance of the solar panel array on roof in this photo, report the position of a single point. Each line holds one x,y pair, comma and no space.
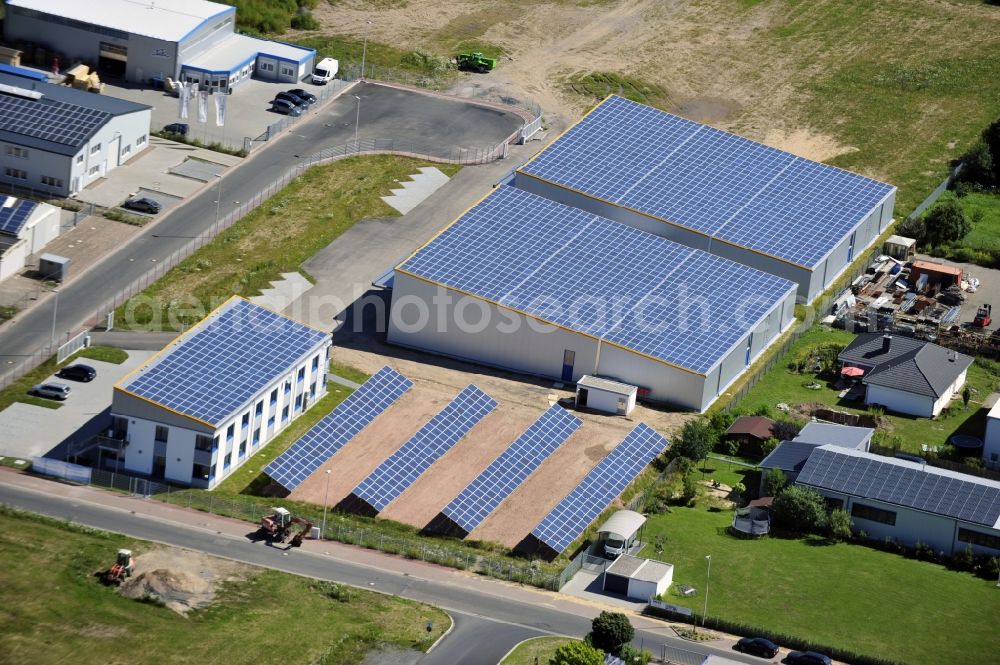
393,476
482,496
709,181
223,362
903,483
338,427
607,480
631,288
14,217
49,120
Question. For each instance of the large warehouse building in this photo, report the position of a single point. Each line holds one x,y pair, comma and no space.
523,283
140,40
714,191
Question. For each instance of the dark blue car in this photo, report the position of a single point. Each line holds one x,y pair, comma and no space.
757,646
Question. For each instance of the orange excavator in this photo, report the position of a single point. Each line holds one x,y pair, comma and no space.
123,568
281,525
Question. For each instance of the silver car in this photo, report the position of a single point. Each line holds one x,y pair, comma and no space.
51,390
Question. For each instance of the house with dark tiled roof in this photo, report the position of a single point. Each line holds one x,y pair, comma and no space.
750,429
790,456
907,375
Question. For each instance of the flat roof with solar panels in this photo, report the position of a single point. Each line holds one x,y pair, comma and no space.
14,214
711,189
584,274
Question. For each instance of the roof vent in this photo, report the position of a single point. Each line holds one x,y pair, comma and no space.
886,343
20,92
953,356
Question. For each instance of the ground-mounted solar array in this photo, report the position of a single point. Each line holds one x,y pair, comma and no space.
634,289
224,362
338,427
709,181
14,217
903,483
393,476
49,120
499,480
599,488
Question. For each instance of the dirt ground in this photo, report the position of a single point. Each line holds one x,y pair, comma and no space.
183,579
714,75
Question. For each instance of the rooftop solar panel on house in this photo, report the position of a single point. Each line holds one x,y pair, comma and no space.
59,122
338,427
223,362
608,280
499,480
599,488
14,217
712,182
393,476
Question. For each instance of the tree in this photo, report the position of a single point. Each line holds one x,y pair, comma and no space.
768,445
800,509
840,524
785,430
991,137
610,631
729,447
696,440
966,396
978,165
577,653
774,481
689,490
946,222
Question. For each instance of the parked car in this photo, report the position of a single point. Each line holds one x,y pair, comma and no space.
51,390
142,205
78,372
179,128
305,95
285,107
757,646
807,658
294,99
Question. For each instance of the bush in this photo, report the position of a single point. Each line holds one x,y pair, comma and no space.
577,653
840,525
696,440
767,446
774,482
800,509
946,222
690,491
611,632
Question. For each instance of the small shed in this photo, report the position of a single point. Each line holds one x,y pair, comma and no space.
750,429
937,273
599,394
53,267
638,579
900,248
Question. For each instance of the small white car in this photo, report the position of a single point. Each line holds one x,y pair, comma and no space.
52,390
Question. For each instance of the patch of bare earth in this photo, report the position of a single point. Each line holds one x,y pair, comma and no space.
183,579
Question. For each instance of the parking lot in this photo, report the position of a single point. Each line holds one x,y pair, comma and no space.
27,430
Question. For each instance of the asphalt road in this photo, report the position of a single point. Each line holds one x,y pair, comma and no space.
487,625
387,113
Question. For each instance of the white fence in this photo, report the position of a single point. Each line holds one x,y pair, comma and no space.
81,341
59,469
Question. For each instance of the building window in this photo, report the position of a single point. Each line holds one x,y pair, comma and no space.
79,158
256,436
270,421
95,148
227,461
204,443
302,374
312,389
298,403
243,448
274,397
284,413
267,67
245,422
14,151
315,365
94,170
230,432
288,387
201,472
51,182
981,539
259,409
161,434
287,71
872,514
140,141
15,173
127,150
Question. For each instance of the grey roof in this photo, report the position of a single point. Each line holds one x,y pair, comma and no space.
903,483
788,456
607,385
910,365
61,121
821,434
646,570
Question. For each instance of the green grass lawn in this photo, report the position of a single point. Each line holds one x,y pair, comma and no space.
18,391
348,372
58,612
381,59
245,478
277,237
538,650
782,385
841,595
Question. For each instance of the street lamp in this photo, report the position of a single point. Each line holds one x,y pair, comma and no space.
55,310
218,198
322,531
357,121
364,50
708,577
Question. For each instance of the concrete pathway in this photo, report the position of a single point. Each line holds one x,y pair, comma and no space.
413,192
283,292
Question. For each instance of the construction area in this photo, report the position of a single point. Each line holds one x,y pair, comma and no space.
921,297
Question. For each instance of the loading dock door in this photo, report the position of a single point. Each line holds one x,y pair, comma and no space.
616,584
112,59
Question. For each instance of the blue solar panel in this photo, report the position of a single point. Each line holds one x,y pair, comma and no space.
15,216
710,181
603,484
590,274
224,362
393,476
337,428
482,496
49,120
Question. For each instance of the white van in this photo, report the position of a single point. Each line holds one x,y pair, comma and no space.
324,72
615,547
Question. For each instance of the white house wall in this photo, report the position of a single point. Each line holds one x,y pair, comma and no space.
900,401
666,384
991,443
13,258
641,589
42,228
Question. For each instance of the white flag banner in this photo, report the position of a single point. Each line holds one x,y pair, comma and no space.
203,106
220,110
183,99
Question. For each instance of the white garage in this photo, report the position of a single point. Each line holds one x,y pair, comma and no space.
526,284
639,579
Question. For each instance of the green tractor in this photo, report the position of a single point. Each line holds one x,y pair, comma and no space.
476,62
